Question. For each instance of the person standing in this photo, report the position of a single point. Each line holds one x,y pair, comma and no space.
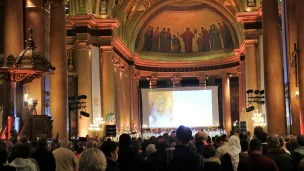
162,35
255,161
155,42
44,158
65,158
110,149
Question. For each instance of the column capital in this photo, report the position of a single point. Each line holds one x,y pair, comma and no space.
106,48
251,42
225,75
176,78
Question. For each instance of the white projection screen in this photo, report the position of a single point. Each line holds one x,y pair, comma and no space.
171,107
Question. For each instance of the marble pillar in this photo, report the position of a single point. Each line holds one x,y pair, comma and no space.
300,21
242,89
293,85
108,86
118,97
134,82
13,28
273,69
84,70
251,78
226,103
38,16
59,80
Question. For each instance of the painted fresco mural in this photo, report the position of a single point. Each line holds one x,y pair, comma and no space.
187,32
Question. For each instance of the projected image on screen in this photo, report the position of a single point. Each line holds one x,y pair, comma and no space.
169,108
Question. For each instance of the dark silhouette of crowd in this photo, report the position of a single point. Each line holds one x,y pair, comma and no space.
179,151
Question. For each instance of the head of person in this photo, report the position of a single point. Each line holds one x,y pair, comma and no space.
23,140
183,134
153,140
201,137
166,135
187,28
292,144
136,144
3,145
255,146
64,144
92,159
209,151
110,150
90,144
3,156
244,145
42,142
22,151
34,143
273,142
161,143
124,140
243,135
258,130
300,140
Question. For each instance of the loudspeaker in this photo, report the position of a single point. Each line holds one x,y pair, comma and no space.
110,130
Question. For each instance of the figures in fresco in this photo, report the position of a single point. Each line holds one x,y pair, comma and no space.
148,39
187,38
176,43
216,38
205,39
162,40
167,41
155,42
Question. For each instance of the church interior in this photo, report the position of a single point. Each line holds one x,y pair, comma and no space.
77,68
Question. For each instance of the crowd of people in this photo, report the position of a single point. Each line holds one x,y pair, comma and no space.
179,151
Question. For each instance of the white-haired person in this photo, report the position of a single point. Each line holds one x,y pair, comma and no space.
64,157
92,159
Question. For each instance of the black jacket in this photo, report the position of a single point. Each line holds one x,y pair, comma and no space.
44,158
281,158
157,161
112,165
129,159
184,159
7,168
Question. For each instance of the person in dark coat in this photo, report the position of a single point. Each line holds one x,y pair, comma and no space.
183,158
282,159
298,154
128,158
44,158
211,163
157,161
3,161
255,161
262,136
110,150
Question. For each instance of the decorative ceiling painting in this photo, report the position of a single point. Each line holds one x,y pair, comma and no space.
177,32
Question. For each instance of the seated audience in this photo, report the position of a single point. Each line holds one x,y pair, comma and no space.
255,161
44,158
278,155
92,159
3,160
22,162
110,150
230,160
65,158
129,159
183,157
211,162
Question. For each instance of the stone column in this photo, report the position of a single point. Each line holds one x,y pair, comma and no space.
84,70
273,68
108,85
59,80
134,80
153,82
300,21
251,64
242,88
292,36
226,103
13,28
176,81
38,17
